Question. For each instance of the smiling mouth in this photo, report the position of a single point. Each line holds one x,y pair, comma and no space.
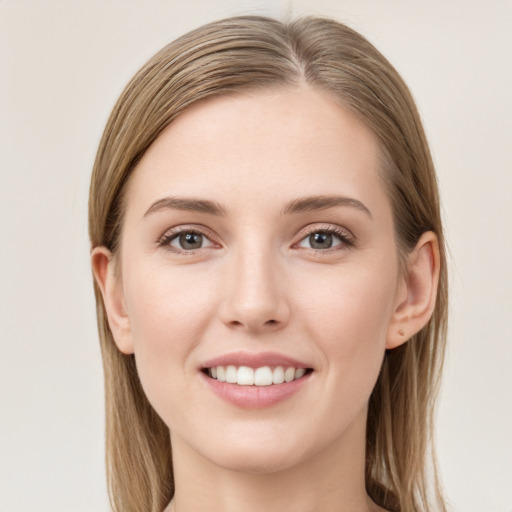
261,376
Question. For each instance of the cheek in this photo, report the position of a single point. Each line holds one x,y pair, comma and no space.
355,302
348,319
168,312
348,314
166,305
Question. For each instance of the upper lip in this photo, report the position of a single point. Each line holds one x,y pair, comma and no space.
254,360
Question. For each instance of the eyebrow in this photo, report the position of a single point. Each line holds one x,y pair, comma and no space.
312,203
188,204
300,205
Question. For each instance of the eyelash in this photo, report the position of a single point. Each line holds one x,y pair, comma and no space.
347,239
167,238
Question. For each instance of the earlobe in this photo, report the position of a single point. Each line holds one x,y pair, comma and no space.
110,286
416,300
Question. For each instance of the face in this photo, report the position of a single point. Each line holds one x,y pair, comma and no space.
258,234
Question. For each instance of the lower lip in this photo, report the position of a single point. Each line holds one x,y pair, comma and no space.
254,397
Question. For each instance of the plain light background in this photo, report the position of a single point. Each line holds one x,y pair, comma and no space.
63,65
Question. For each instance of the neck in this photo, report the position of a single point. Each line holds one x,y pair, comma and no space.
331,480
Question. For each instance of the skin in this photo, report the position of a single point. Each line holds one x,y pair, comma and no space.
256,284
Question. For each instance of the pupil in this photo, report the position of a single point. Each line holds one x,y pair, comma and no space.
191,240
320,240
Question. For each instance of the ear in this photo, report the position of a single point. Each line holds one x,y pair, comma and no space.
417,291
109,282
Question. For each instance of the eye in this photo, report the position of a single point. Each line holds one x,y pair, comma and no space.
326,238
186,241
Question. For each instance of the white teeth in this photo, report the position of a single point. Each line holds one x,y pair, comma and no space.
299,372
231,374
245,376
263,376
221,374
289,374
278,375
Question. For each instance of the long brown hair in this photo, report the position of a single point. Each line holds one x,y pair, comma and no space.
246,53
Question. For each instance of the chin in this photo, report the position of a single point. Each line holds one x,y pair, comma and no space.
255,463
269,456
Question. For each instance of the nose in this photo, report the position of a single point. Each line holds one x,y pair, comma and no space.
254,298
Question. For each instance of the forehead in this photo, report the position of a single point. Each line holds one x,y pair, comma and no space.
272,145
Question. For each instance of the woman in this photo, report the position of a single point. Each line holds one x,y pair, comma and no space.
270,276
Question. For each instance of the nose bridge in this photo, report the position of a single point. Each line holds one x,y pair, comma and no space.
255,297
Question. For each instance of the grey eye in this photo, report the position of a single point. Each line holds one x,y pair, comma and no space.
189,241
320,240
